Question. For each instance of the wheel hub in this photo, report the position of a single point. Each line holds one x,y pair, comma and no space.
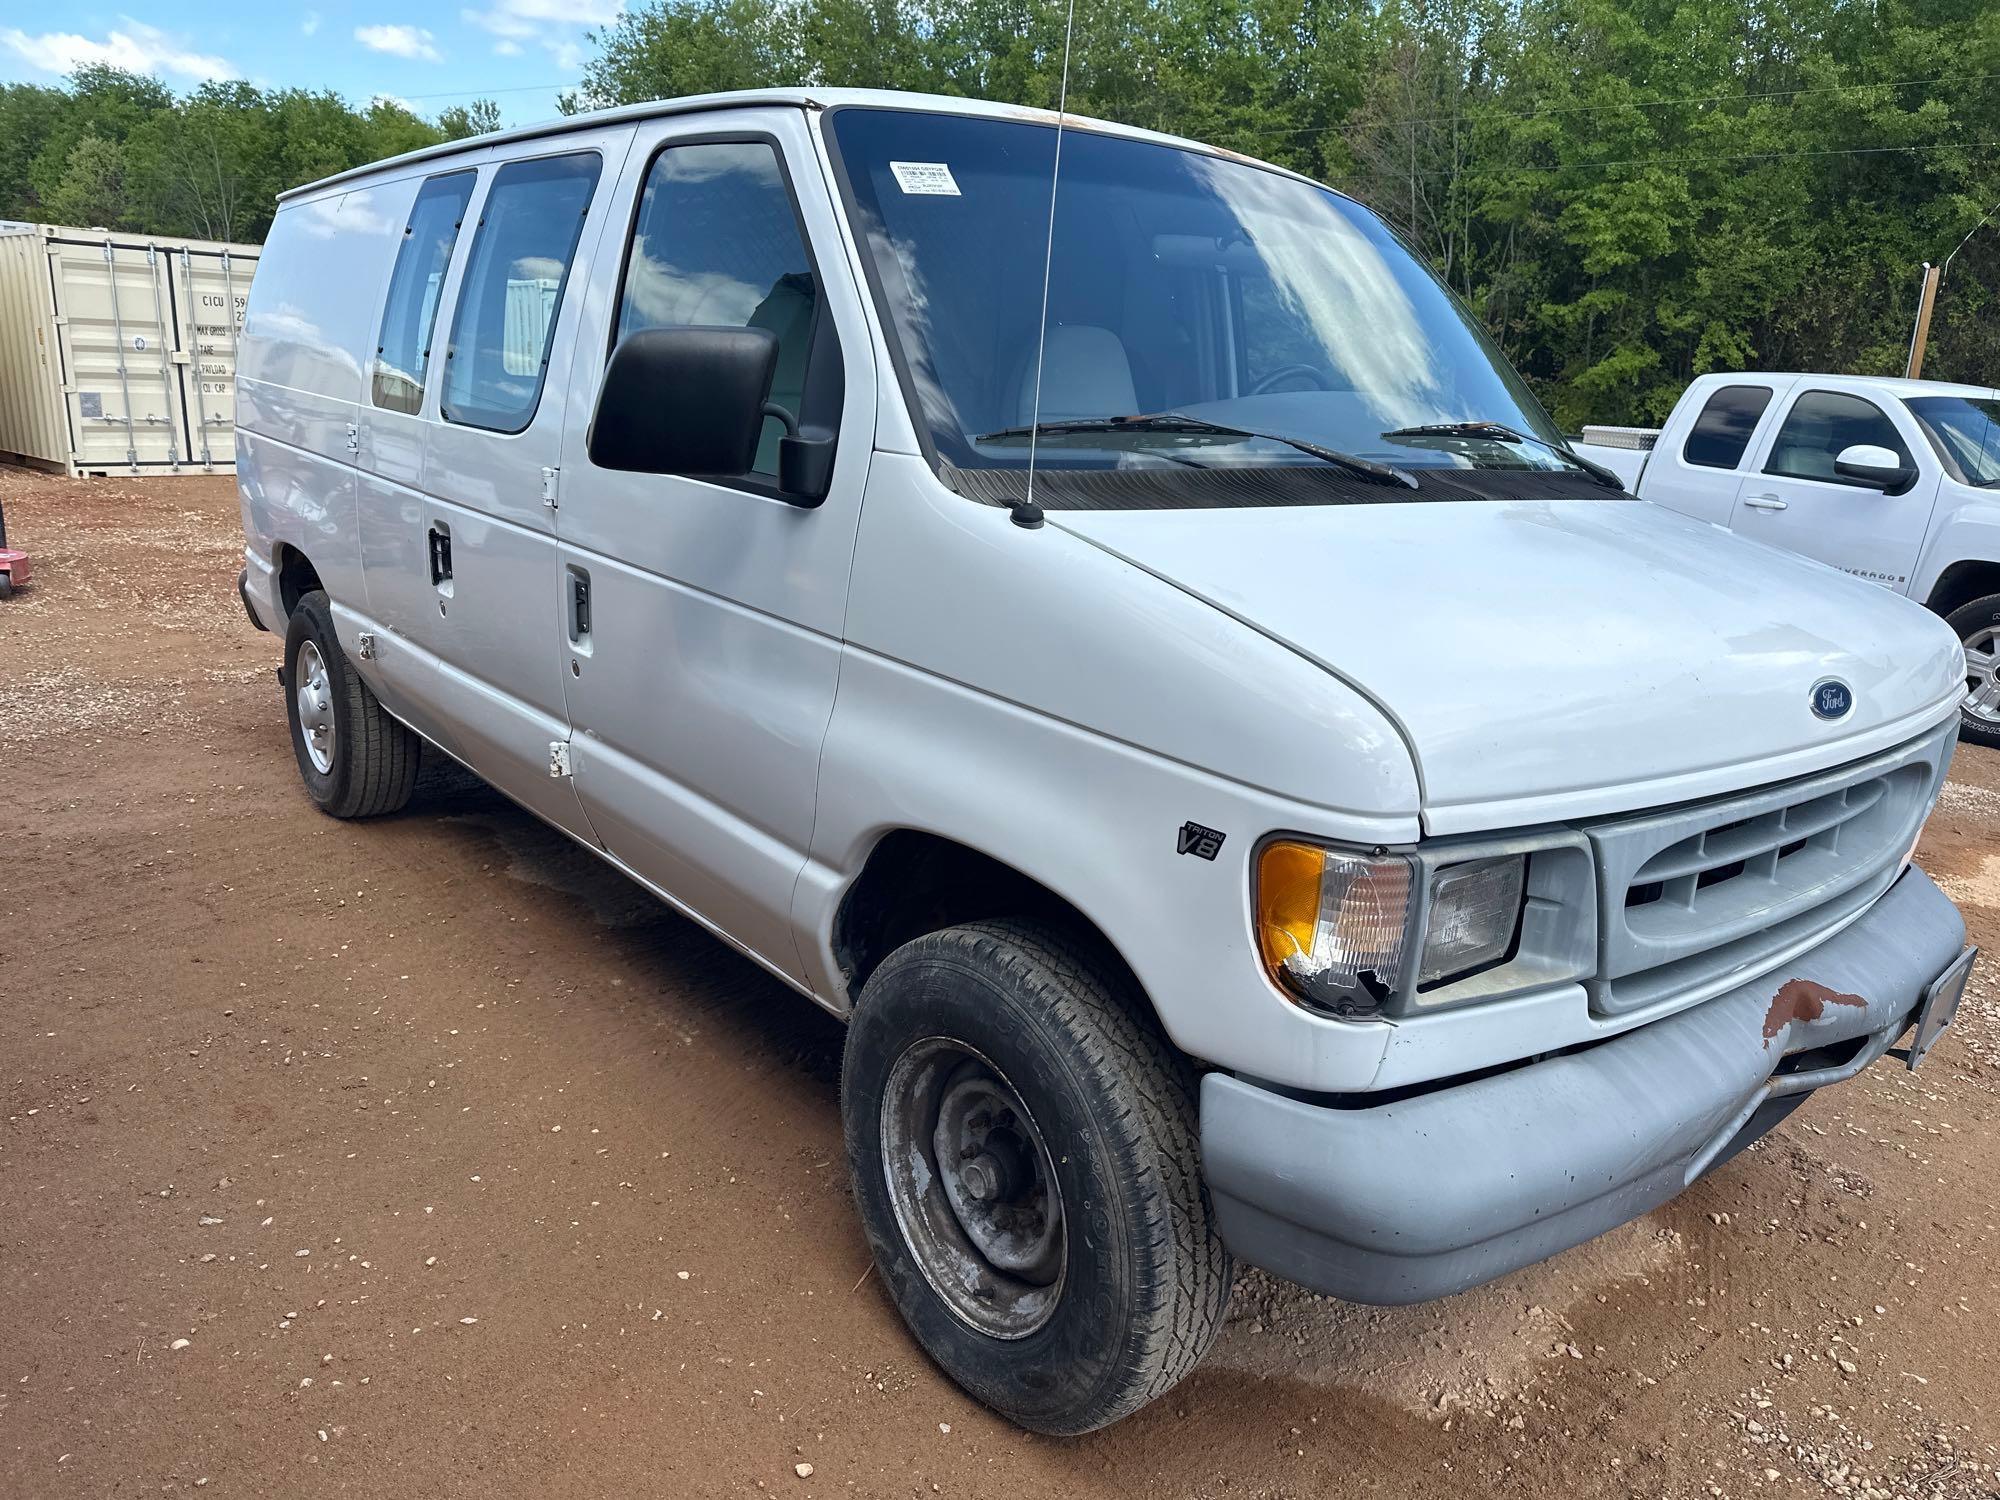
313,691
974,1188
1982,675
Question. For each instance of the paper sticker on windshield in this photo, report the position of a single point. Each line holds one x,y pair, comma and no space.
930,178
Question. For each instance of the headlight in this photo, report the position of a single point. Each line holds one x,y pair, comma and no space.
1475,909
1336,929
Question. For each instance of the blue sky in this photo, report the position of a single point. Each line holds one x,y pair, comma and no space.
429,53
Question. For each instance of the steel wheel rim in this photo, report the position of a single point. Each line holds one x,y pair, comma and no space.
974,1189
1982,675
314,694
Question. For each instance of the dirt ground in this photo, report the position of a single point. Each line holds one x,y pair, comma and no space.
426,1157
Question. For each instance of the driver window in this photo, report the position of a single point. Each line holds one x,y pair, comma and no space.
1823,423
717,244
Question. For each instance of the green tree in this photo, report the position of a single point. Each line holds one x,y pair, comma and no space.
91,190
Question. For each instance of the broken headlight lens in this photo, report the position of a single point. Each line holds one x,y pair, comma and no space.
1332,926
1335,928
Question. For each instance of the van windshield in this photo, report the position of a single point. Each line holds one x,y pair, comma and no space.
1255,321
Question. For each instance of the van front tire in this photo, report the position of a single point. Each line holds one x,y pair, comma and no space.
1978,627
1026,1163
356,761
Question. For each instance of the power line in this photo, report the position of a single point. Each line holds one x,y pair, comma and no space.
524,88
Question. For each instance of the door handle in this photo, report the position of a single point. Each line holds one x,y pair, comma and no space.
1763,502
579,607
440,543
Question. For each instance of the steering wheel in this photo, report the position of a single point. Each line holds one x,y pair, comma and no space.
1283,373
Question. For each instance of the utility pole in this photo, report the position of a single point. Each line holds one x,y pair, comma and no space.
1913,368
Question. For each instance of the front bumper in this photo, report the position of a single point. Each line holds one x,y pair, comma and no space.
1424,1196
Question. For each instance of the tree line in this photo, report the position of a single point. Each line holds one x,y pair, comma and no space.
1627,192
122,151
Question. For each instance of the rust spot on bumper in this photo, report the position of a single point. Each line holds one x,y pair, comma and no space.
1802,1000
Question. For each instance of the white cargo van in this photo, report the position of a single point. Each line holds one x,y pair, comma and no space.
1121,636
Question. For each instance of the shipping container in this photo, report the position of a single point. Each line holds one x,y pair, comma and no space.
118,352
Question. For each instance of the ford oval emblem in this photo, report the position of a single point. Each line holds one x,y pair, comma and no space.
1832,698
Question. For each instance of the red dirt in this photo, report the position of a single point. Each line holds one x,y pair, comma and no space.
315,1097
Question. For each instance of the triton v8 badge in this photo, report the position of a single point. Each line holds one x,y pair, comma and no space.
1832,698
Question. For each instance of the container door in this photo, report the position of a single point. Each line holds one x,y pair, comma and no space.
211,288
115,327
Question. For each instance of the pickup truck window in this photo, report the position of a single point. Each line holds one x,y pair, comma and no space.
717,244
1181,283
1722,431
1821,424
513,286
1966,433
403,352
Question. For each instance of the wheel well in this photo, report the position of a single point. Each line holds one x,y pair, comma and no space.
296,577
1963,582
914,883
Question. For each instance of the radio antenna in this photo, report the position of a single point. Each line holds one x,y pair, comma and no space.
1027,513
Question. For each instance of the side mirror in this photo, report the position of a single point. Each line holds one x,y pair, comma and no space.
1865,463
692,401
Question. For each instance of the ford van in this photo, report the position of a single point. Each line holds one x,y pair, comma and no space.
1094,611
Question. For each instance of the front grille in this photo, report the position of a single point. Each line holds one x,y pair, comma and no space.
1697,898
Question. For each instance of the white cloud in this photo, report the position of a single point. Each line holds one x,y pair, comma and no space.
396,99
552,25
131,45
310,24
399,41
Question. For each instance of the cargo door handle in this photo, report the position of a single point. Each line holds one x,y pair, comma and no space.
440,546
579,607
1763,502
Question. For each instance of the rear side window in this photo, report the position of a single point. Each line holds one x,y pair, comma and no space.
403,351
506,315
1723,429
1822,423
717,244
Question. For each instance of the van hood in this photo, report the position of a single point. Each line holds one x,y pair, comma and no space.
1546,660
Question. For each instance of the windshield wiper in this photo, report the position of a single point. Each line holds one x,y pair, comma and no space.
1495,432
1176,422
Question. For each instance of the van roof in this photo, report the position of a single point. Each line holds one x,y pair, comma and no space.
748,98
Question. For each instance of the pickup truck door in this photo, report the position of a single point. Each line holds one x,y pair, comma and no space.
702,618
1794,499
1696,466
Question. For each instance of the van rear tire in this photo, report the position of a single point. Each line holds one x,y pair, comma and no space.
1978,627
356,761
1026,1164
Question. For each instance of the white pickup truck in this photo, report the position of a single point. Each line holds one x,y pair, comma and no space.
1894,481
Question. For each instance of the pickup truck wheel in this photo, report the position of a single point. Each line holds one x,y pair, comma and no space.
356,761
1026,1163
1978,626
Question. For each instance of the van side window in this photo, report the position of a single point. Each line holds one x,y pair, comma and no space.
403,352
513,286
1822,423
717,244
1723,429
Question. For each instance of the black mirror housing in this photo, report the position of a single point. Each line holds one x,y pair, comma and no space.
686,401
